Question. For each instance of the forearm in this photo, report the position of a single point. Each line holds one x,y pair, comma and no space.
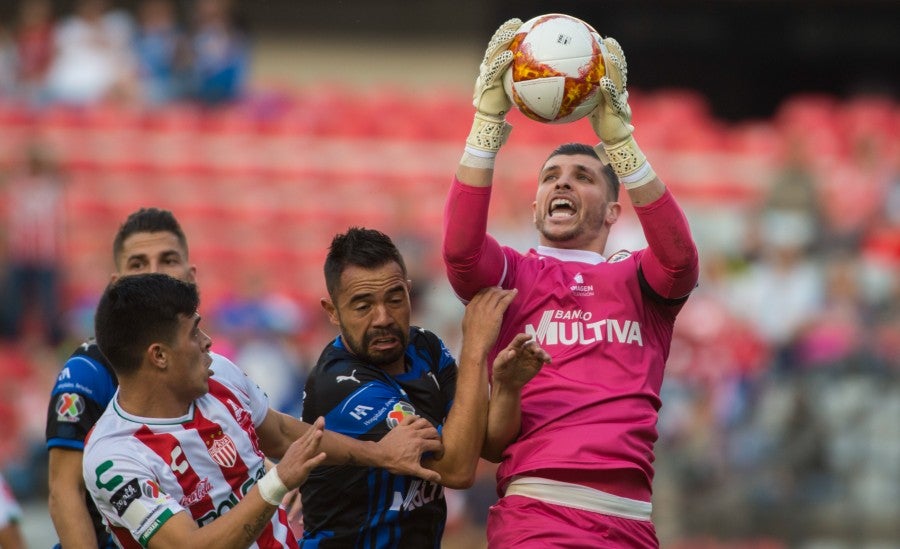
237,529
71,519
463,432
472,257
67,503
504,422
340,449
11,537
671,265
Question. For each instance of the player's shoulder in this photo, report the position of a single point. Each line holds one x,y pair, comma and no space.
420,337
427,344
110,435
86,371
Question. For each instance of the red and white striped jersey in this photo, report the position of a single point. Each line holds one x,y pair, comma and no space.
141,471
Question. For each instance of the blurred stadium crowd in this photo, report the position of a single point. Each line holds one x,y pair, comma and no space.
779,421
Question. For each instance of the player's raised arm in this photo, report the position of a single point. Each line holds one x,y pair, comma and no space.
464,430
671,267
489,128
473,259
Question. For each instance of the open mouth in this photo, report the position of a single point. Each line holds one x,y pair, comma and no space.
561,208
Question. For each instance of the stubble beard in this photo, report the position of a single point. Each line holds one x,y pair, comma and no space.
360,349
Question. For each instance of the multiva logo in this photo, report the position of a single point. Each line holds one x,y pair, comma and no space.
558,327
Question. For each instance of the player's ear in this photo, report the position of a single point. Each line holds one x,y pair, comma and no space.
156,354
331,310
534,212
613,209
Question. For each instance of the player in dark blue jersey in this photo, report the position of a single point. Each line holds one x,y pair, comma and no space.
381,370
150,240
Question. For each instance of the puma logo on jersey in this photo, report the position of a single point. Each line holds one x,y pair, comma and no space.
351,377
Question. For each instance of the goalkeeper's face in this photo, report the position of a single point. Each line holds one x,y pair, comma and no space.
573,207
373,310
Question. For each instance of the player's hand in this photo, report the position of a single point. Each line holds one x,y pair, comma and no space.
484,314
611,119
519,362
404,445
302,456
293,503
490,99
490,130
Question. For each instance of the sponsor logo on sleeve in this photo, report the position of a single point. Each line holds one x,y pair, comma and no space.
69,407
125,495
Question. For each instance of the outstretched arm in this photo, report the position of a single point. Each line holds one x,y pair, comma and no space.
671,264
400,451
243,523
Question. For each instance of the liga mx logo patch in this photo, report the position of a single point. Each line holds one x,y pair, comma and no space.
222,450
69,407
398,413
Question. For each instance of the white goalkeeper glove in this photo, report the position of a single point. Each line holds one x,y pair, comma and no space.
611,121
489,129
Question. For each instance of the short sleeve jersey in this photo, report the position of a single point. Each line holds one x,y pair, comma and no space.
142,471
82,391
368,507
593,409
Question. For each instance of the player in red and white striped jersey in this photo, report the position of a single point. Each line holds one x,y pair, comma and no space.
174,459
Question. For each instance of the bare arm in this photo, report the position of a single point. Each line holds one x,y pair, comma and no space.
514,366
400,451
11,537
67,504
464,429
242,524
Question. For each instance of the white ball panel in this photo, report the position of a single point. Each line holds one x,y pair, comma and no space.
543,95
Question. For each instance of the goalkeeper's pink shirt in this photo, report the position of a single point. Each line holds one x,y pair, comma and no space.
590,416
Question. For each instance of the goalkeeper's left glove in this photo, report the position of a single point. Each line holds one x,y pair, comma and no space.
611,121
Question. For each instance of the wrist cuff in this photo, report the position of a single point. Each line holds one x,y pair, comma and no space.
629,163
488,133
271,488
475,158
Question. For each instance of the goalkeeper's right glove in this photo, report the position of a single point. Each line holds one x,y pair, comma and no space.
489,129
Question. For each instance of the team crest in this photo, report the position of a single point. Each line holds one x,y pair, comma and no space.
621,255
398,413
69,407
223,451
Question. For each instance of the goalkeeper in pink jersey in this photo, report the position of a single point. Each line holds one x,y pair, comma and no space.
576,450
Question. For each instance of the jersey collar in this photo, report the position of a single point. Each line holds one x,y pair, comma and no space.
578,256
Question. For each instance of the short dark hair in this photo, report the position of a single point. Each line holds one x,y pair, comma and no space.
571,149
148,220
137,311
361,247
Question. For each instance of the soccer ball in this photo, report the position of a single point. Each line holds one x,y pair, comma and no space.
556,69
